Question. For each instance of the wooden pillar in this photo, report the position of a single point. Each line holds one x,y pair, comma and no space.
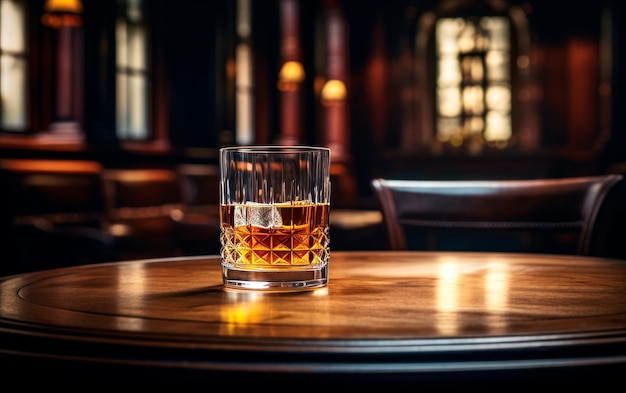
334,93
67,75
67,24
334,100
291,75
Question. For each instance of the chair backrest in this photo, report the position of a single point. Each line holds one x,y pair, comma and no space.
53,214
556,215
60,191
136,192
200,187
142,206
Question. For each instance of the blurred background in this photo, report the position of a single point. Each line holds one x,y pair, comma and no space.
112,112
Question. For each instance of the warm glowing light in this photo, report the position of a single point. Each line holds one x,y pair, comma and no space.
62,13
448,305
292,71
290,75
242,309
71,6
473,88
497,286
333,91
130,286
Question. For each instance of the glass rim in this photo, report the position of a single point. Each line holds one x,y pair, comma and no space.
274,149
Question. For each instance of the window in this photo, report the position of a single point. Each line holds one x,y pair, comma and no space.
133,77
244,78
473,85
473,68
13,66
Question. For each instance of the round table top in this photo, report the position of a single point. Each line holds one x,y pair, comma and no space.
400,314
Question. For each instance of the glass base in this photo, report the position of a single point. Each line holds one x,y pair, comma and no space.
274,280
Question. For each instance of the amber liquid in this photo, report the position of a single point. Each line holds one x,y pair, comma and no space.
295,235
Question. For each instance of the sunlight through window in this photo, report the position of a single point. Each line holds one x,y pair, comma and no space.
13,65
473,84
132,73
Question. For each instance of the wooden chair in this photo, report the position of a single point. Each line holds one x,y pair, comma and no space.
564,216
198,228
54,214
142,206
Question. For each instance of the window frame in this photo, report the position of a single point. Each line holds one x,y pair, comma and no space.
522,112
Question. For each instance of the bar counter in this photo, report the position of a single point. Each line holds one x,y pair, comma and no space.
387,318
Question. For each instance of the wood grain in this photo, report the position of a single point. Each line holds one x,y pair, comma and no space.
385,315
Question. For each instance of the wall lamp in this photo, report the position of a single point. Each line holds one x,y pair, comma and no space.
59,13
290,76
333,92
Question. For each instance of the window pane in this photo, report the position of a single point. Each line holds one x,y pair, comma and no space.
499,97
13,66
449,72
121,44
12,26
245,134
133,81
448,128
498,31
449,102
138,126
497,66
137,48
447,31
122,106
473,89
12,84
498,127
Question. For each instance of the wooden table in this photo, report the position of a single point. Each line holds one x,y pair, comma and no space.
422,318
